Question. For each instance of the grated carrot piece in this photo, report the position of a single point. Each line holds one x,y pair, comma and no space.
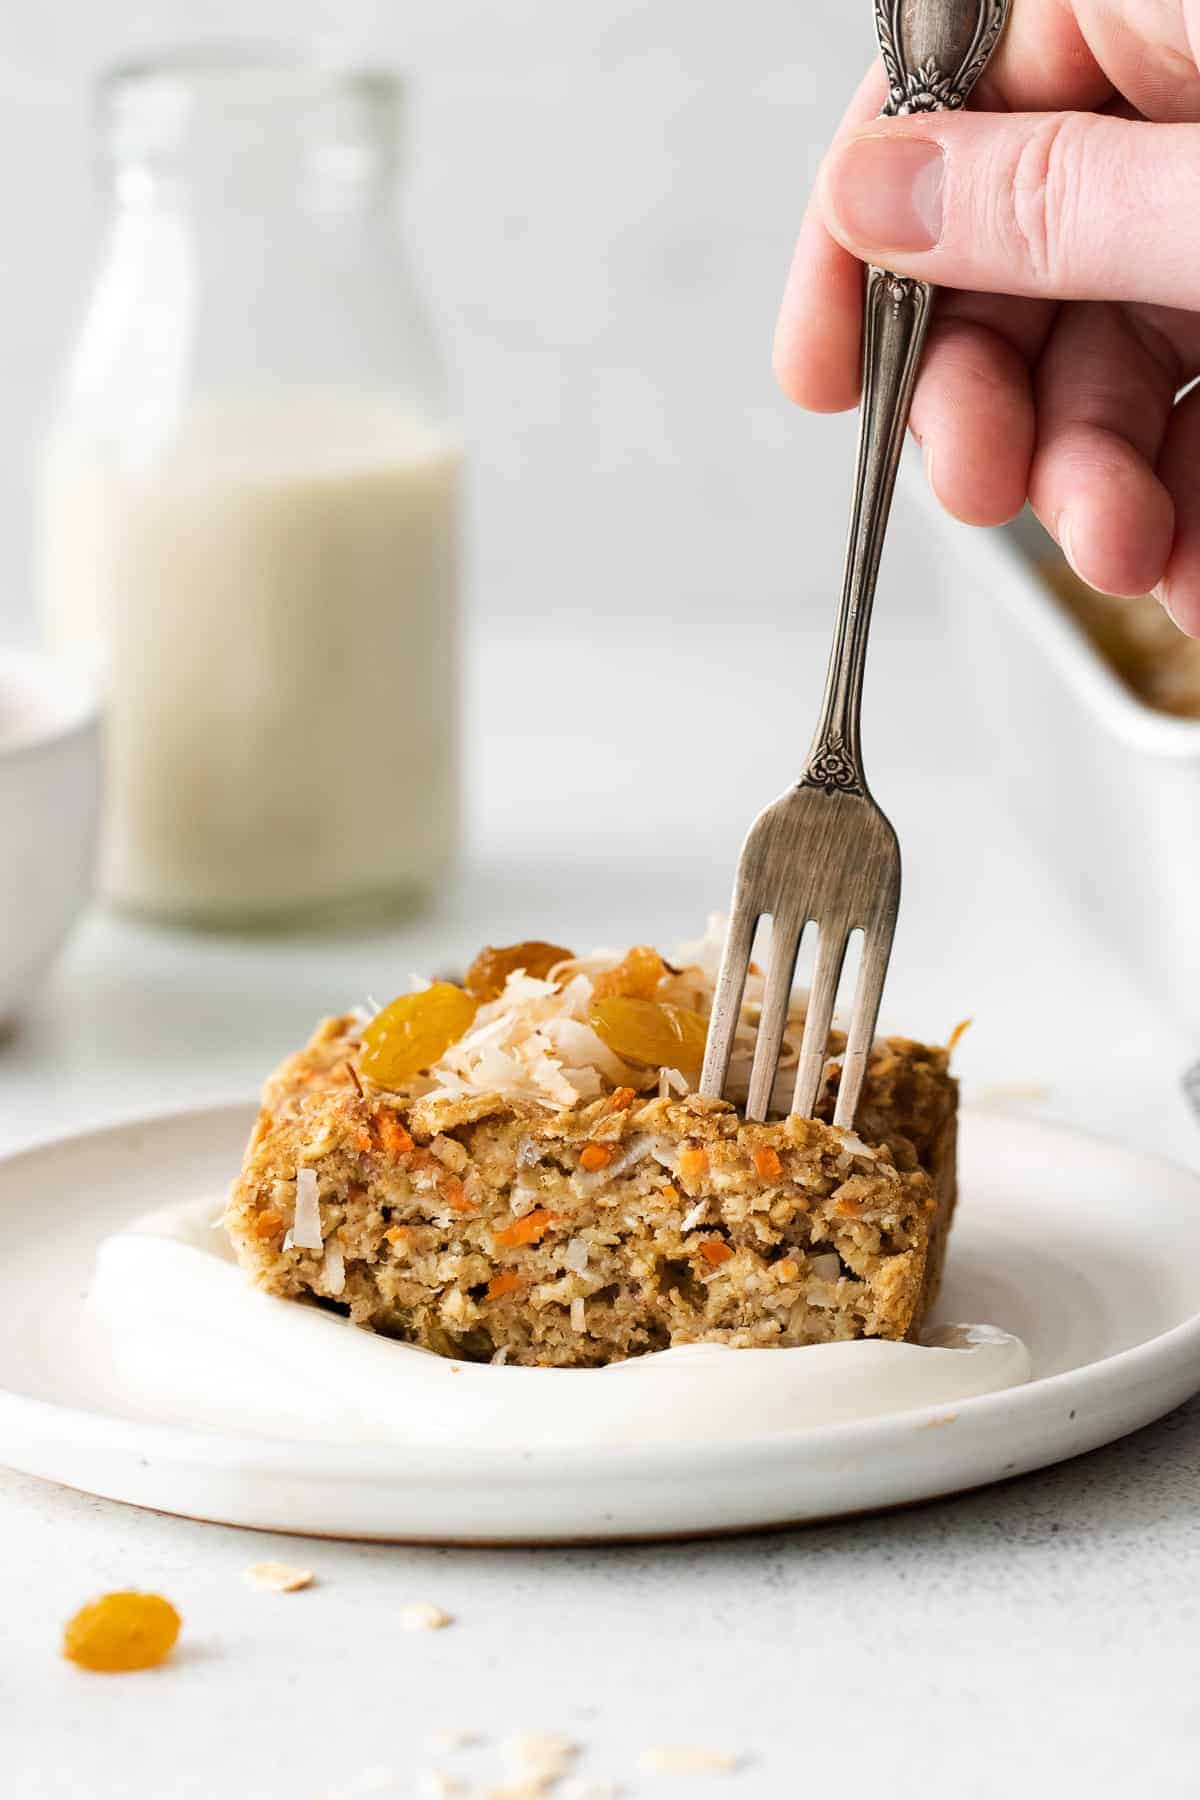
622,1099
788,1269
671,1195
396,1234
849,1209
529,1230
499,1285
594,1157
693,1163
957,1035
767,1163
396,1140
455,1194
715,1251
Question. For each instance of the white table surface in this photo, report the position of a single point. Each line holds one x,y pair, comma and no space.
1037,1638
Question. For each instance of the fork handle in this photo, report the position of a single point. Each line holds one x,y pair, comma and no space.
934,52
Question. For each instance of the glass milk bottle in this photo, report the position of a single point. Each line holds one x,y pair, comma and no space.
248,503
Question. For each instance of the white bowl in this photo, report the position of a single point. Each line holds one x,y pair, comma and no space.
49,814
1108,788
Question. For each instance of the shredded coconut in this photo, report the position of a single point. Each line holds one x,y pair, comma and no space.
576,1254
692,1219
306,1231
277,1577
578,1314
333,1268
500,1357
826,1267
534,1043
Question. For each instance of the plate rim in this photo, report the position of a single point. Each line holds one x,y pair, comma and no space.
196,1445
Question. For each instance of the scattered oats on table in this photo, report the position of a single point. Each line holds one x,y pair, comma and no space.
685,1759
278,1577
540,1755
422,1615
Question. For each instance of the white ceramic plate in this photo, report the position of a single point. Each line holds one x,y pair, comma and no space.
1088,1252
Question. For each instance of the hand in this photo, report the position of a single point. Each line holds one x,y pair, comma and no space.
1073,239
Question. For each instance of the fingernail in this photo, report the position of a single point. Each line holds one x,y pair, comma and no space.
1162,594
1063,533
886,193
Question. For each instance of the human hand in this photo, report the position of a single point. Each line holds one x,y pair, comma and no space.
1072,239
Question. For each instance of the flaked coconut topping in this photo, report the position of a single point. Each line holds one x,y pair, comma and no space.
578,1314
576,1254
534,1042
306,1231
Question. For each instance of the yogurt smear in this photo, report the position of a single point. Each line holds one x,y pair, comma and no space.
173,1331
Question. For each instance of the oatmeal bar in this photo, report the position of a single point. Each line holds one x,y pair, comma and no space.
547,1189
1140,644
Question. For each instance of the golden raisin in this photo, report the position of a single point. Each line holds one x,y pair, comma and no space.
529,1230
693,1163
788,1269
594,1157
767,1163
636,976
413,1032
120,1632
491,969
268,1224
715,1251
653,1032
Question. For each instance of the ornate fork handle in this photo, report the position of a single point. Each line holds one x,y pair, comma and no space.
934,51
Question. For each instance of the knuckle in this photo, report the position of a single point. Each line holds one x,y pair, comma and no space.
1042,201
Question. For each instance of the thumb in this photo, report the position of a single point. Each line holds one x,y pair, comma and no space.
1073,206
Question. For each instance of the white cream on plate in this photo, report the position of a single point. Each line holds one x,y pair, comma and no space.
174,1331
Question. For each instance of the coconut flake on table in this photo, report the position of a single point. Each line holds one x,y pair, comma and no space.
306,1229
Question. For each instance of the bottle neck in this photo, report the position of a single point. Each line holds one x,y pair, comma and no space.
259,138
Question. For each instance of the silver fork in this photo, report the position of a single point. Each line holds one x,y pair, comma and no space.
825,854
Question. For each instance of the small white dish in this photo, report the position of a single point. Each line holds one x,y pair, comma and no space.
1087,1251
49,814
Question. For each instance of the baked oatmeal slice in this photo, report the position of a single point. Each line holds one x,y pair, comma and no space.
536,1195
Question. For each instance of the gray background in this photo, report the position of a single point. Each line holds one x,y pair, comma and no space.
602,198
